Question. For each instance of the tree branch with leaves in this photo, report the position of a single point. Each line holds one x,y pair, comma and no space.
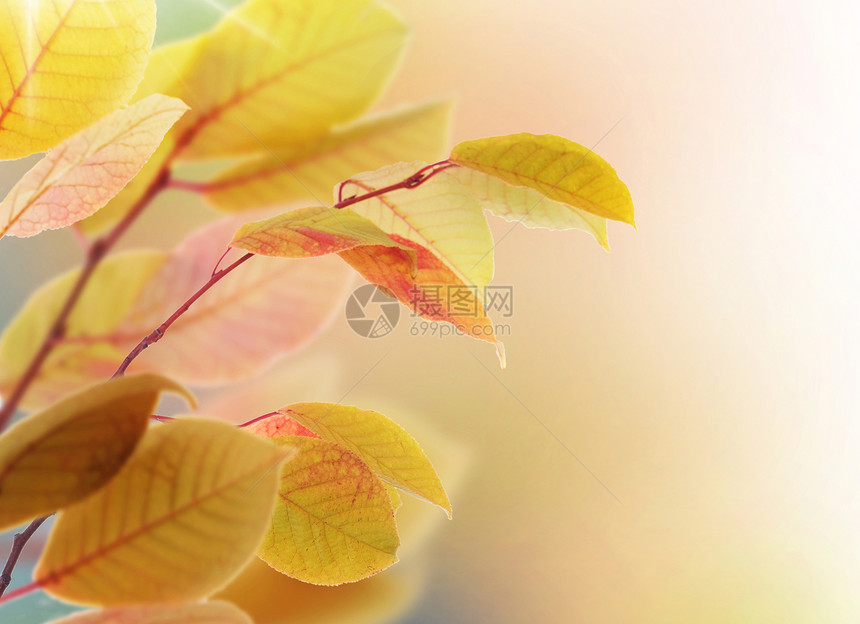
278,90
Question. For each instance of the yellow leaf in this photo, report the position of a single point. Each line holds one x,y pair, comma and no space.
267,309
427,286
558,168
83,356
379,442
216,612
308,171
333,522
526,206
57,457
441,215
84,172
179,520
309,232
280,425
262,592
394,495
274,71
296,70
67,63
168,66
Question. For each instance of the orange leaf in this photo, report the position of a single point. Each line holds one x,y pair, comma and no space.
440,215
430,290
309,232
405,269
280,426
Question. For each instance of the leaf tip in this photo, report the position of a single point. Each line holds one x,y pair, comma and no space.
161,384
603,241
181,391
500,353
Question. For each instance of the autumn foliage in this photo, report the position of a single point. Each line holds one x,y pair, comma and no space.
276,93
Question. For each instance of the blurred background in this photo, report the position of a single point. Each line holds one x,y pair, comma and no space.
675,436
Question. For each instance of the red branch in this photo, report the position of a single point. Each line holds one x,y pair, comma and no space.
98,250
159,331
258,419
416,179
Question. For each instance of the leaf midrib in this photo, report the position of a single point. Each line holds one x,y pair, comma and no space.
55,577
31,70
219,109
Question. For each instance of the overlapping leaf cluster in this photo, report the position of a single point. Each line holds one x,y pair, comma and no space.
156,517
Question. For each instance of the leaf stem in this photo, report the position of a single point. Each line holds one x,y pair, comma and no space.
21,591
159,331
220,260
258,419
18,543
97,251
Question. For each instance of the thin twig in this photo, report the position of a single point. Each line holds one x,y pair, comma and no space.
220,260
159,331
416,179
18,543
